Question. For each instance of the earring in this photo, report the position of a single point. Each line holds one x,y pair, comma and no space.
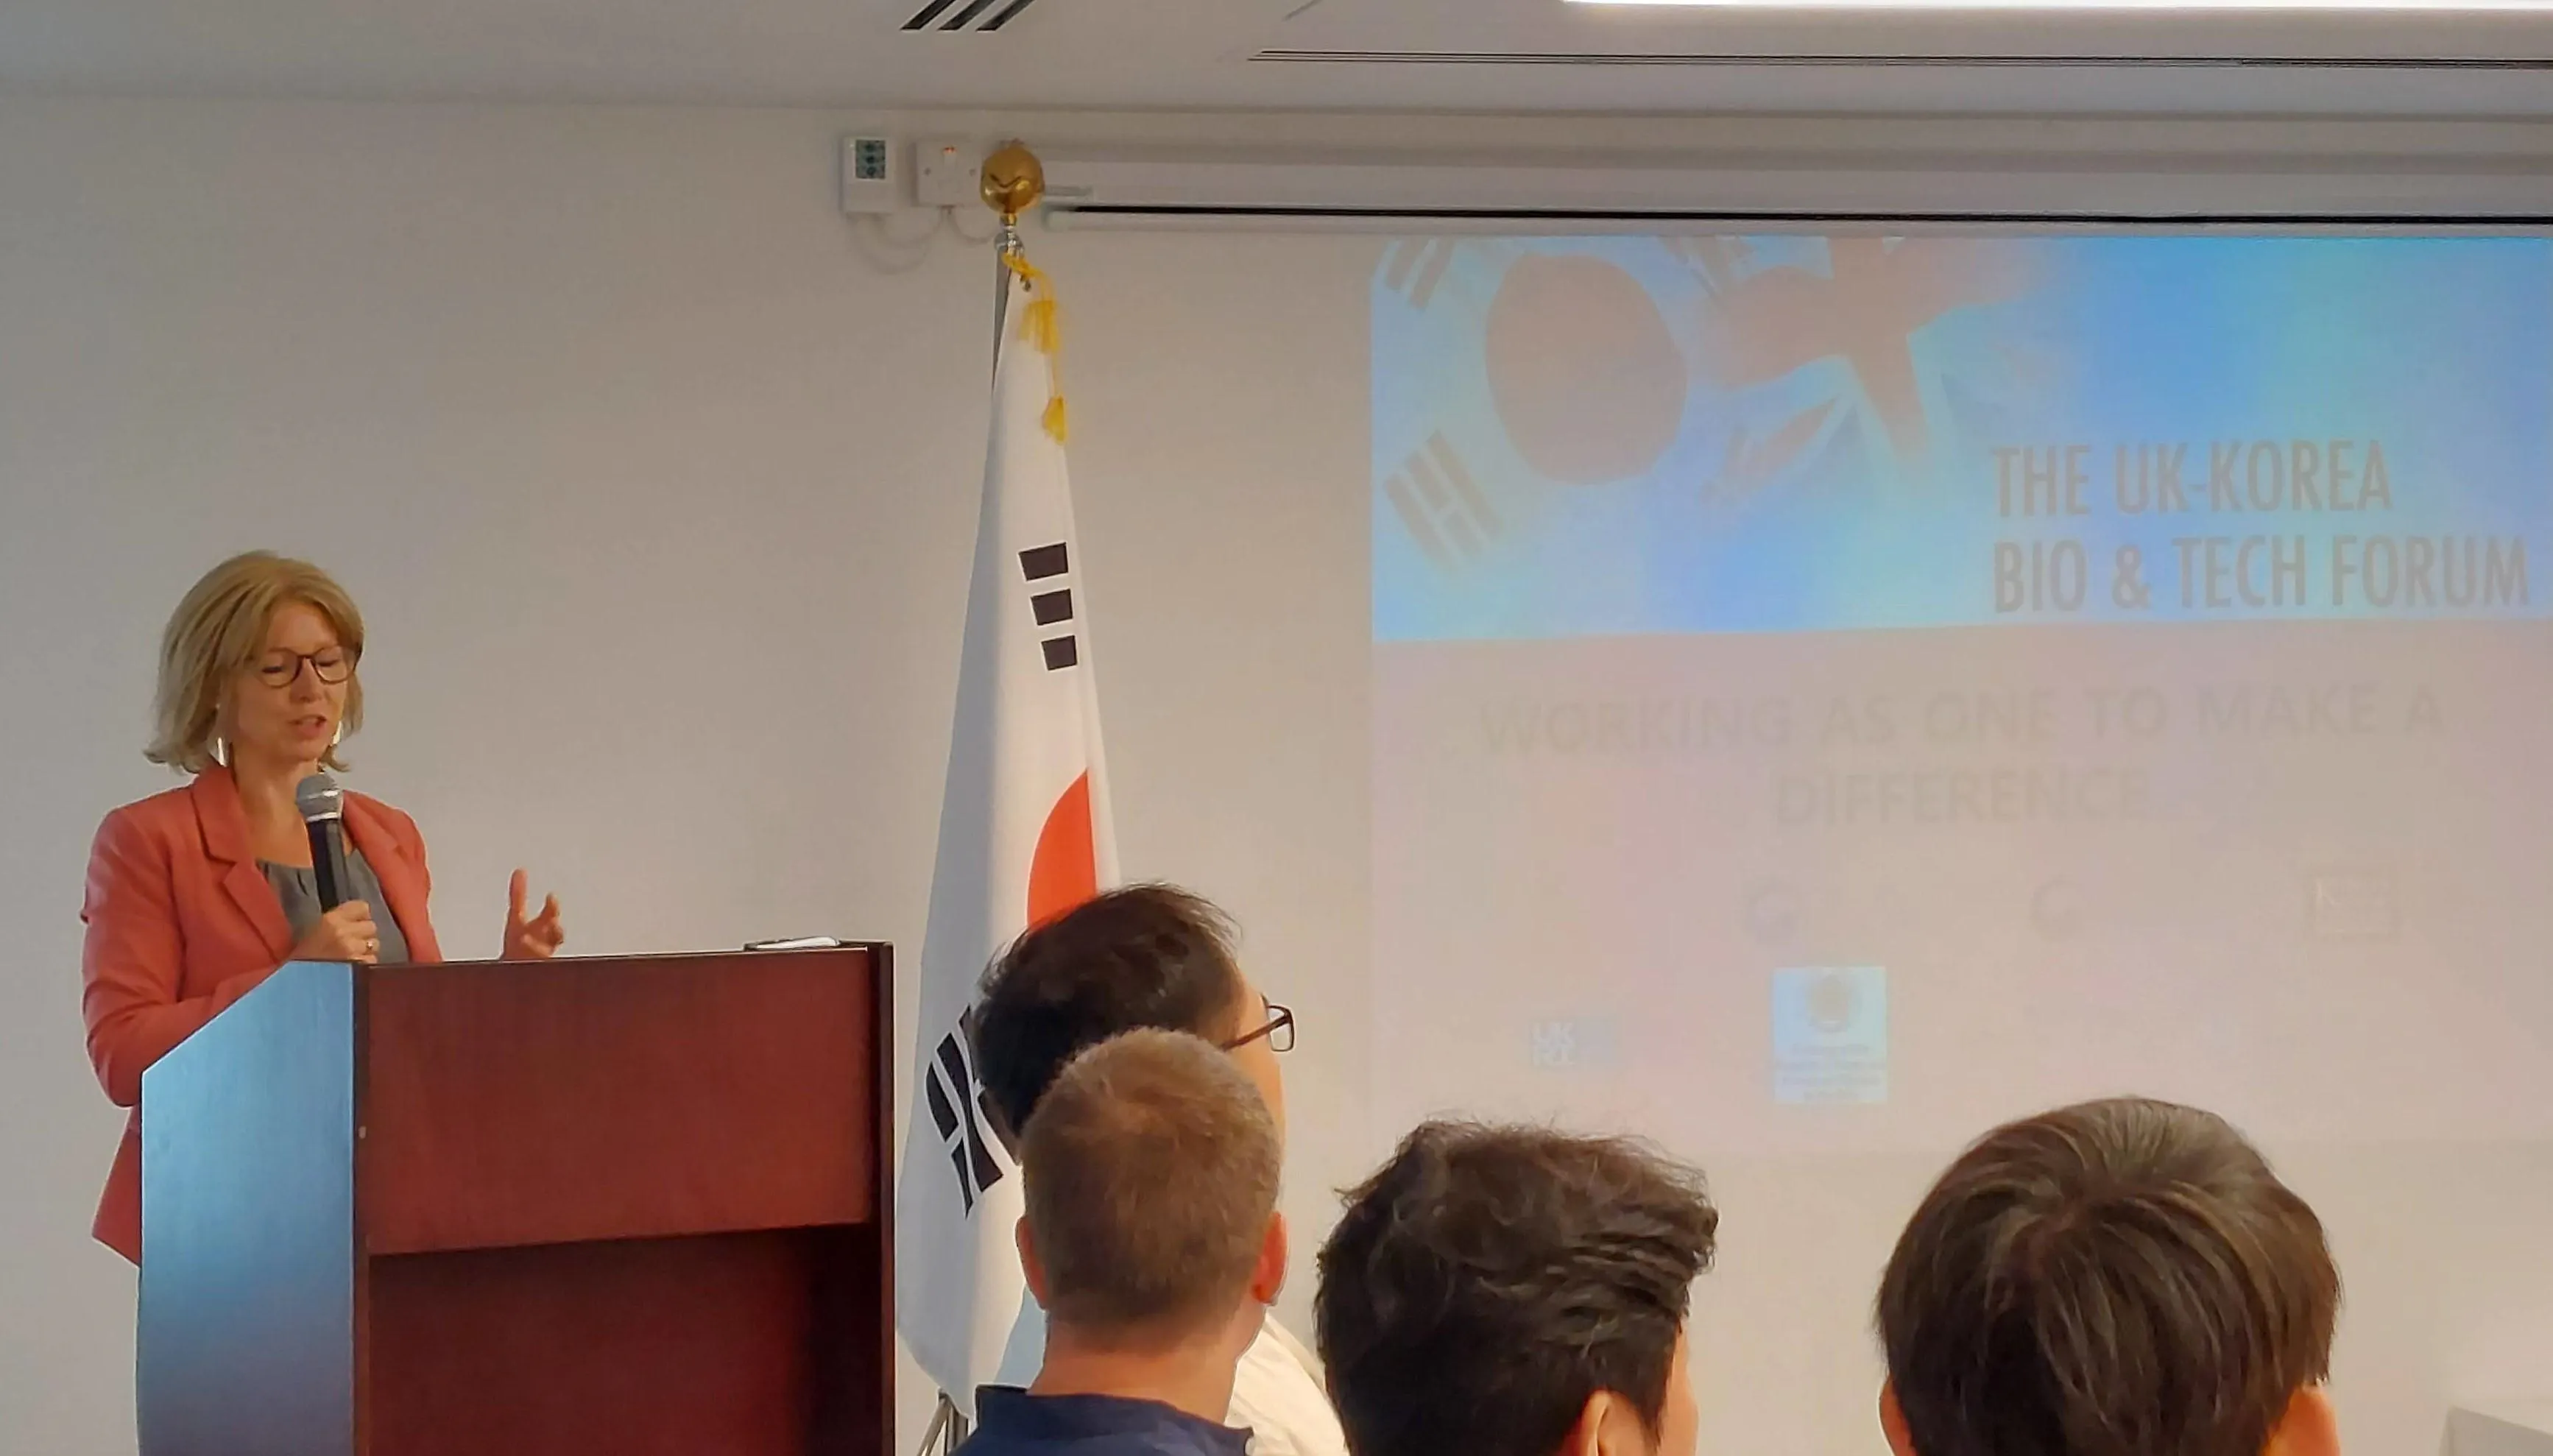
338,737
221,751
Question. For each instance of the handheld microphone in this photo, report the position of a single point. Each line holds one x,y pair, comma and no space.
323,812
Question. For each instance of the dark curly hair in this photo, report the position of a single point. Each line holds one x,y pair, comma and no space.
1489,1281
1143,957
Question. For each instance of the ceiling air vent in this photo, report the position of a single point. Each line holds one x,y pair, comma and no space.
975,17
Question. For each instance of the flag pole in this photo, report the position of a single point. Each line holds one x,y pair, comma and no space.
948,1428
1010,183
1005,246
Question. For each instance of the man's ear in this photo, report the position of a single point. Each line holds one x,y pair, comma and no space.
1583,1438
1268,1277
1892,1421
1608,1426
1030,1270
2308,1428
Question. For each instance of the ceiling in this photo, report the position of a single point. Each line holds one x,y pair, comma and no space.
1297,55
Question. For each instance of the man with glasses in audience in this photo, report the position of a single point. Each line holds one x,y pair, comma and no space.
1157,958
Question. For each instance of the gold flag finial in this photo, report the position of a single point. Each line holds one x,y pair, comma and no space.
1013,180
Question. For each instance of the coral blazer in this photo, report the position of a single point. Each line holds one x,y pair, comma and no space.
181,923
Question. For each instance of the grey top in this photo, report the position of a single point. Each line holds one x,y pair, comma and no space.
298,889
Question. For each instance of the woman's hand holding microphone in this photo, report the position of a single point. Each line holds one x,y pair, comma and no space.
346,932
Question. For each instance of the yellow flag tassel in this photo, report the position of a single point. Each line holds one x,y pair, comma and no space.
1036,326
1040,329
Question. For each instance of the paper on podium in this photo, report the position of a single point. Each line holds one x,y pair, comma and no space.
2500,1428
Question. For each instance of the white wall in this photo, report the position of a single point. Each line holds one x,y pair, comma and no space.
659,497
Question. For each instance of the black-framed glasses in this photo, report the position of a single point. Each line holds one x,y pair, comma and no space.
1278,1031
331,665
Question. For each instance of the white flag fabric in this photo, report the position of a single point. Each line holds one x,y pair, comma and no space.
1023,834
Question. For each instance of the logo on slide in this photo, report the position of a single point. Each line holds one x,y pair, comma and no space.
1772,912
1830,1035
1582,1041
957,1100
2057,910
1830,1003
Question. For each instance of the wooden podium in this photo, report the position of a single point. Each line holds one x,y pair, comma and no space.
559,1207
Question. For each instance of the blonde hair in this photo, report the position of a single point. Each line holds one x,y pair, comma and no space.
1149,1171
219,632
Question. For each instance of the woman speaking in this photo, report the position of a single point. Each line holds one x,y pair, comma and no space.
197,894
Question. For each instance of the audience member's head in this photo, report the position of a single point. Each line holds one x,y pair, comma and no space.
2117,1278
1516,1291
1150,1174
1143,956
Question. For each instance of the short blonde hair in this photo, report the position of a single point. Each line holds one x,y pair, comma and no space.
1151,1173
219,632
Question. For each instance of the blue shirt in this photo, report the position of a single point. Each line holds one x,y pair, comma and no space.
1013,1422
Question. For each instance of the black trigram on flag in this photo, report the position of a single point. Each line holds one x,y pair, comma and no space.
963,1113
1051,601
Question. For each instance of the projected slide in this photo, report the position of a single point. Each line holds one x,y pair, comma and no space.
1834,692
